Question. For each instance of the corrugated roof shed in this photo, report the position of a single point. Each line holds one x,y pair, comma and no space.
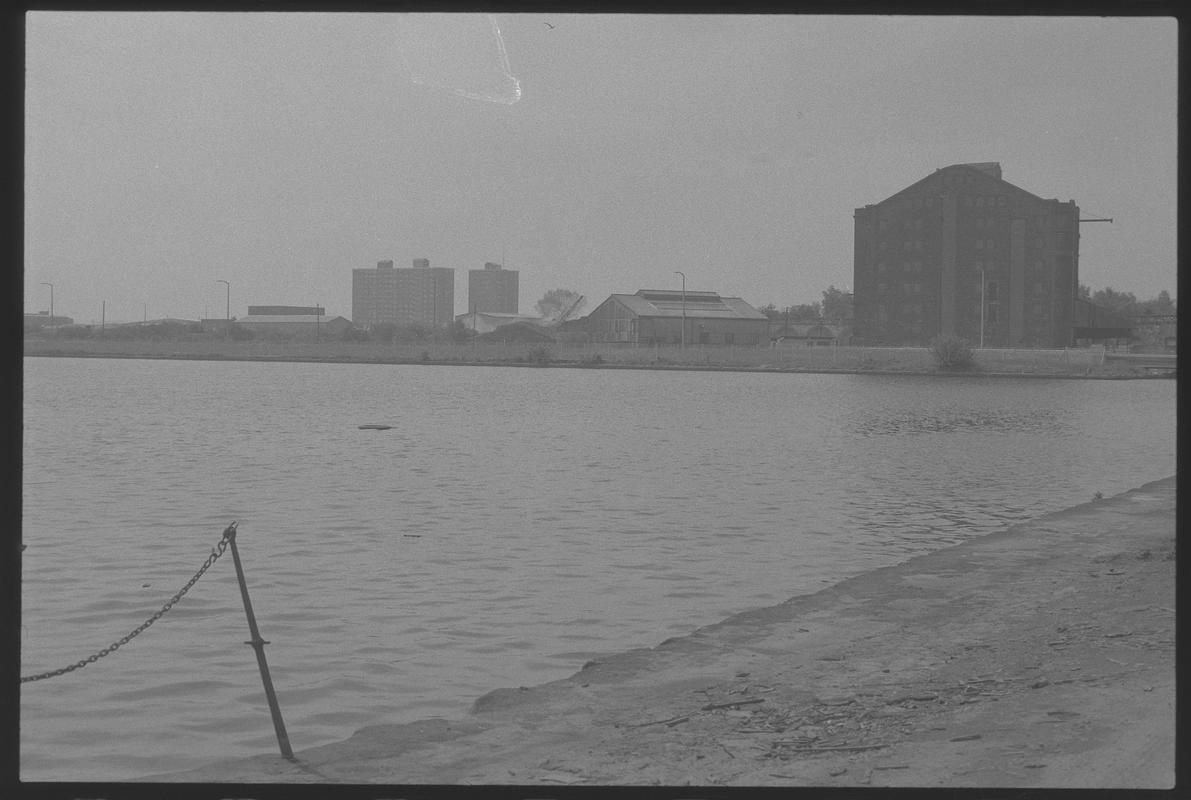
648,303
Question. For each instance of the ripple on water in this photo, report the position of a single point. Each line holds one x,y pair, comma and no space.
377,584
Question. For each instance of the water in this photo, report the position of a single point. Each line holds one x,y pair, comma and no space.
512,525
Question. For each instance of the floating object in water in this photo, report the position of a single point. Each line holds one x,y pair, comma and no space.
374,426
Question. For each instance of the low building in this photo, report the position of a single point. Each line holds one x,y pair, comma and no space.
295,325
42,319
654,316
1099,325
802,334
488,321
260,311
519,333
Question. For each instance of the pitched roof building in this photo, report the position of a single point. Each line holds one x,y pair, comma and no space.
966,253
653,316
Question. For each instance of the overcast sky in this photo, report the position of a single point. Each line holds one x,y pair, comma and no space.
169,151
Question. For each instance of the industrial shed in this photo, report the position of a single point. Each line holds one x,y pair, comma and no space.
295,325
658,317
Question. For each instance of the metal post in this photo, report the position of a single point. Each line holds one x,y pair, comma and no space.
229,299
43,283
258,644
676,272
982,281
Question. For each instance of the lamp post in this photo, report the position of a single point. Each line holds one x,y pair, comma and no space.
982,282
676,272
43,283
229,299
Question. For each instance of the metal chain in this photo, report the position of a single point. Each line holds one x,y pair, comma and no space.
216,552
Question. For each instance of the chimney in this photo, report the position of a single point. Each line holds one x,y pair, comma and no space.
421,263
384,264
490,265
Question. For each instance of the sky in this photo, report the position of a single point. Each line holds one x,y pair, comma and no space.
167,152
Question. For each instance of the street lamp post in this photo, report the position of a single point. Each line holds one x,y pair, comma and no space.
676,272
229,299
982,283
43,283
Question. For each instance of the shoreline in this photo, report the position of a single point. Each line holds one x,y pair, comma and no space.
1125,373
1037,656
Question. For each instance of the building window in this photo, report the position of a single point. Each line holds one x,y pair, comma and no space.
880,266
1002,200
968,200
880,288
905,266
988,245
883,225
729,338
979,244
992,314
980,201
992,291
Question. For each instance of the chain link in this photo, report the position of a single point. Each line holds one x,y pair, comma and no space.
216,552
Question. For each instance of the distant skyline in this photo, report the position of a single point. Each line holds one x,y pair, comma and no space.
166,152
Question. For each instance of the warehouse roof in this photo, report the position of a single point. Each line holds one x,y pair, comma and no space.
656,303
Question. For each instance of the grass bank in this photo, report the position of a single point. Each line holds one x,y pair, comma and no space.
1077,363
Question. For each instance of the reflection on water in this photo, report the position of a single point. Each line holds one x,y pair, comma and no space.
513,524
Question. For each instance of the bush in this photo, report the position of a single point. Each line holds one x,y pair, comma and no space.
539,355
239,333
952,353
383,332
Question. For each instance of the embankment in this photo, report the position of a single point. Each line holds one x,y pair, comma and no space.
1073,363
1040,656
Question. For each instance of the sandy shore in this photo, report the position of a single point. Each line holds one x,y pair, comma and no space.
1042,656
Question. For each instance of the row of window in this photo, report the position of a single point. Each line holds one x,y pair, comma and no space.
905,288
977,266
990,288
969,200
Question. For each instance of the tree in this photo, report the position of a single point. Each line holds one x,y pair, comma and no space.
557,301
383,332
1162,304
1124,303
837,305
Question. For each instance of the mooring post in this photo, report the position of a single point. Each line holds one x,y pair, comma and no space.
258,644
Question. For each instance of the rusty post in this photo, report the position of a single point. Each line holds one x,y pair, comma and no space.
258,644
